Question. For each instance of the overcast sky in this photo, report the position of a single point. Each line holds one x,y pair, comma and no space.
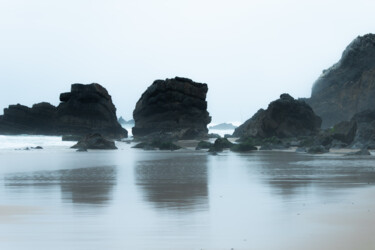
247,51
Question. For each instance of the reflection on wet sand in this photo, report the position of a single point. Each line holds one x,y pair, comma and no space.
175,183
291,174
84,185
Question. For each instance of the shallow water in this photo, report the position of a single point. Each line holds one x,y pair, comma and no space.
57,198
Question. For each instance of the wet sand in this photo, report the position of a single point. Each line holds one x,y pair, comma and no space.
186,199
9,214
349,224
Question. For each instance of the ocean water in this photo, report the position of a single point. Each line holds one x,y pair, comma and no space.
211,131
57,198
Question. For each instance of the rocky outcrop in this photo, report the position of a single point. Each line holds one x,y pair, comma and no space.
359,133
223,126
365,133
94,141
348,87
124,122
172,108
19,119
157,144
285,117
344,131
86,109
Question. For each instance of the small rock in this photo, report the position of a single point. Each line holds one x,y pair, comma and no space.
157,144
204,145
317,150
95,141
221,144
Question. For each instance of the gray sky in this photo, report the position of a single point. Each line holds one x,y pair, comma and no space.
248,52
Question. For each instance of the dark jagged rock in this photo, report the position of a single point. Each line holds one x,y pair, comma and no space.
344,131
243,147
339,136
19,119
317,150
157,144
285,117
173,108
365,134
221,144
94,141
204,145
348,87
86,109
359,132
223,126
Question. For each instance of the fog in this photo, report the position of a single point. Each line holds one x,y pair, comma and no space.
248,52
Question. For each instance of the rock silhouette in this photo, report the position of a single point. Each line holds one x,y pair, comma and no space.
285,117
172,108
85,109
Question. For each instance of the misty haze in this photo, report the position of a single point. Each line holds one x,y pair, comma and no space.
187,124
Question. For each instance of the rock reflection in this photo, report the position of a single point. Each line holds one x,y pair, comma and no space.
178,183
84,185
291,174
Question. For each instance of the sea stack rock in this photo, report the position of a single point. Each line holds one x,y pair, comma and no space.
348,87
88,109
172,108
285,117
19,119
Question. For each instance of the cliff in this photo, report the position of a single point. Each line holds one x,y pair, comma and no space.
348,87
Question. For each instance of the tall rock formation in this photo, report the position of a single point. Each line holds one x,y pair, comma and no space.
174,108
348,87
86,109
285,117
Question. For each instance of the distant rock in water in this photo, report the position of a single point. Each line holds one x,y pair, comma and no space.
223,126
124,122
121,120
86,109
285,117
173,108
348,87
